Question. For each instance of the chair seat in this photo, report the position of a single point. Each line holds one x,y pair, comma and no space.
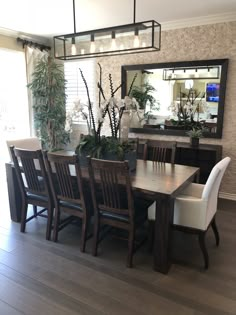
31,196
140,215
70,205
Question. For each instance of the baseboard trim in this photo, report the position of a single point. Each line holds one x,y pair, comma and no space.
224,195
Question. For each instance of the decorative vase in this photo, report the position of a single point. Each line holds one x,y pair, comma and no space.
194,142
125,124
137,118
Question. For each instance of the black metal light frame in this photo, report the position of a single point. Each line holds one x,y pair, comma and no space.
149,31
208,68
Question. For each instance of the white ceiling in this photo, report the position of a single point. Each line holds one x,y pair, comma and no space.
54,17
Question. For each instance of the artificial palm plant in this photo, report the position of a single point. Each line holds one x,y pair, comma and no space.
49,103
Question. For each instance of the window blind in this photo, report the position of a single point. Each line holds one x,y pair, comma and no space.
75,88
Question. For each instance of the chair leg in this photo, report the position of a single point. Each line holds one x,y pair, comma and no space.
49,223
23,216
215,230
84,234
201,238
56,224
35,210
151,229
95,236
130,248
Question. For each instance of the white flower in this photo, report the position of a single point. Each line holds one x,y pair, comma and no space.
100,115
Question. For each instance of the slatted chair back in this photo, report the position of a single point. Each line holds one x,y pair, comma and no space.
111,187
160,151
65,178
30,171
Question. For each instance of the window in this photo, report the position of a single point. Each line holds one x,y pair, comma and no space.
75,85
14,110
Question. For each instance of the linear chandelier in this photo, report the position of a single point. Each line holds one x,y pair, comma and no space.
137,37
210,72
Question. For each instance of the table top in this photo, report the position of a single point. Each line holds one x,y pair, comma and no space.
162,178
156,178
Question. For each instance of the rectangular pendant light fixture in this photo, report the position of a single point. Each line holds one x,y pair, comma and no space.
211,72
123,39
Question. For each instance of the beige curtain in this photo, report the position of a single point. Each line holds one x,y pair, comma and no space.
32,55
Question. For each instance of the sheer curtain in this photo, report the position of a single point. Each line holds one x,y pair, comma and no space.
32,55
14,119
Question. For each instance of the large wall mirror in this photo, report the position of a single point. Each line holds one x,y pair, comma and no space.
175,96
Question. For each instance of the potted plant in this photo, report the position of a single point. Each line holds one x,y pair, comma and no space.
143,95
49,103
95,144
195,134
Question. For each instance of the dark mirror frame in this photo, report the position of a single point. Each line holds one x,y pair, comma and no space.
181,64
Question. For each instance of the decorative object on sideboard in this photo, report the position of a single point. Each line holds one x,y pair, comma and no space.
195,134
123,39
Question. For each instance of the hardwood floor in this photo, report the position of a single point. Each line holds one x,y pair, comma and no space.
43,277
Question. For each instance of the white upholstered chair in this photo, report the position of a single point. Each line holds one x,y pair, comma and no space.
32,144
195,208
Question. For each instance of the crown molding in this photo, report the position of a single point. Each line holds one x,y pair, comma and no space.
171,25
202,20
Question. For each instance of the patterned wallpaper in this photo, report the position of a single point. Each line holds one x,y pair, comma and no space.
195,43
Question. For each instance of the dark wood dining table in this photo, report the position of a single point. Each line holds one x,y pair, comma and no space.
160,182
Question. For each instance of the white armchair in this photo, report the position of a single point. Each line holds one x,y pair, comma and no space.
195,208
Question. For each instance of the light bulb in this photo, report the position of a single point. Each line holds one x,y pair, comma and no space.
113,41
92,45
136,39
73,47
113,44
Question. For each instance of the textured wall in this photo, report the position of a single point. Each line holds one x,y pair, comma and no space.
196,43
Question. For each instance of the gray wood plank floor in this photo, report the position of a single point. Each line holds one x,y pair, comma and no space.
43,277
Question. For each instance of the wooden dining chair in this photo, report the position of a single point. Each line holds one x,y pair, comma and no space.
159,151
114,203
69,193
34,186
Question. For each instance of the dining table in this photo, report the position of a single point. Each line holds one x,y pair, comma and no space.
157,181
162,182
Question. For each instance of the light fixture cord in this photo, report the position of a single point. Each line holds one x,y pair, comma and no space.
74,16
134,11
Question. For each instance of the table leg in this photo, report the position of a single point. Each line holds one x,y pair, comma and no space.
164,216
13,193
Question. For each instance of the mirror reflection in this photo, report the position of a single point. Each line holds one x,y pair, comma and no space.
178,96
